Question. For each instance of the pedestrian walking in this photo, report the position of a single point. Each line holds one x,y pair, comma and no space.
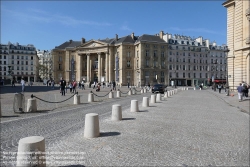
240,91
74,84
114,85
219,87
13,83
103,84
53,84
70,87
82,85
23,84
62,86
128,84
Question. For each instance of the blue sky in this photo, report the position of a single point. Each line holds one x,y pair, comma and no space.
47,24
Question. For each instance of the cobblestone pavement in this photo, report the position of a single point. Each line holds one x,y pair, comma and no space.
191,128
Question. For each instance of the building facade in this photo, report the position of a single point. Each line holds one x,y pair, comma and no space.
139,60
238,41
45,60
18,61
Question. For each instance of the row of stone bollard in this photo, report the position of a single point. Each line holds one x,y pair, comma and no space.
35,145
32,104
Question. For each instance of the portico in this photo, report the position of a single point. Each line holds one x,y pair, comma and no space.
94,63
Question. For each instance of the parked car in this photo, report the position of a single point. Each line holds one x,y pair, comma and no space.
158,88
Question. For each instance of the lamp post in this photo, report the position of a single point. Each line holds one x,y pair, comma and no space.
226,54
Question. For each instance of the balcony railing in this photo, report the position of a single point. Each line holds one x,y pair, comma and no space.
248,14
248,40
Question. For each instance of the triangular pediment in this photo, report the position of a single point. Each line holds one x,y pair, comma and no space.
92,44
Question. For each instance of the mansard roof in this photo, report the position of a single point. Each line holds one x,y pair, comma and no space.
68,44
150,38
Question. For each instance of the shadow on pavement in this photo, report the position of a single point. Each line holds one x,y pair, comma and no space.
73,166
125,119
106,134
10,116
28,89
143,111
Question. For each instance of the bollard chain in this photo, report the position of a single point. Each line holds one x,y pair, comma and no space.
99,95
53,101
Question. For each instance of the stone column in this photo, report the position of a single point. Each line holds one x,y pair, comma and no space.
88,69
110,69
99,67
107,68
28,79
78,67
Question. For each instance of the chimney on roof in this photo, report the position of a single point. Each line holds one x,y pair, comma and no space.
161,34
116,37
70,41
83,40
132,35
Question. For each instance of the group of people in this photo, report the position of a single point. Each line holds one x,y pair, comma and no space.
98,85
70,85
243,90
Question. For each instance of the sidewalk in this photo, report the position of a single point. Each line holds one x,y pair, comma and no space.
244,105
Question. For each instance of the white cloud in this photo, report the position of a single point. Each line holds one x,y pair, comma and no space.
41,16
125,27
201,30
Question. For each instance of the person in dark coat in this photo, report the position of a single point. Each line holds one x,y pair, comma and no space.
62,86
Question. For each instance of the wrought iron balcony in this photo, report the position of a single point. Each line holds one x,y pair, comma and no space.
248,14
248,40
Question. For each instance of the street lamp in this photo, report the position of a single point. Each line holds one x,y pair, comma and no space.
226,54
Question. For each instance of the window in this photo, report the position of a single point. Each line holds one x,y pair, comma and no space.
26,62
22,68
4,62
184,54
188,67
26,57
128,63
17,67
177,53
163,64
194,60
4,68
128,54
4,57
147,63
155,53
31,68
183,59
170,59
200,75
184,75
137,53
17,57
12,56
147,53
60,66
162,54
26,68
170,67
31,62
60,58
189,60
31,57
194,75
155,63
177,75
212,61
177,60
184,68
170,75
21,57
12,62
188,75
170,53
177,67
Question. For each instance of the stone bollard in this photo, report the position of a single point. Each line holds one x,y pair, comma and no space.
90,97
134,106
116,112
168,92
152,99
76,99
31,105
158,97
142,90
111,95
145,90
129,92
165,94
31,152
118,94
91,128
194,88
133,92
145,102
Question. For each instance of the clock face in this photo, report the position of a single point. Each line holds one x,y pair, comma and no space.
93,45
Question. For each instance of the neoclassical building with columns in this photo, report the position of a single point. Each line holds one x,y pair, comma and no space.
238,41
137,60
